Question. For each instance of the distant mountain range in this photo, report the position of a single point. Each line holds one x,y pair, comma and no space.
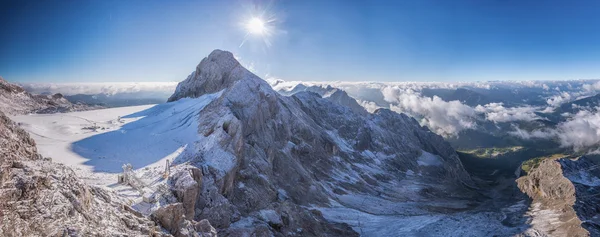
15,100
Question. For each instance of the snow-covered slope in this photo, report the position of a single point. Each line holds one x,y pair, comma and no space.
43,198
98,143
94,145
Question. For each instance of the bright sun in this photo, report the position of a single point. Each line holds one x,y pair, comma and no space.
256,26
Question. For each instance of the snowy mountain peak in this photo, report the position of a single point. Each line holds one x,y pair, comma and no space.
225,59
216,72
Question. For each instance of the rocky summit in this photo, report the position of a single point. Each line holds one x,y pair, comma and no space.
284,165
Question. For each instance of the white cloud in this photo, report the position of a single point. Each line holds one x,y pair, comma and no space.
498,113
449,118
541,134
545,87
592,87
444,118
581,131
368,105
559,99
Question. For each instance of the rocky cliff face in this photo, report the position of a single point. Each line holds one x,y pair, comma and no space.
269,162
15,100
564,193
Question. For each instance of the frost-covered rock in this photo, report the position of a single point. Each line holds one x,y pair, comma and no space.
260,150
215,72
186,185
42,198
172,217
271,217
15,100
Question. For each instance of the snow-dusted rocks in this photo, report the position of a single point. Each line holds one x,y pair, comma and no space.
15,100
172,218
255,145
215,72
186,185
42,198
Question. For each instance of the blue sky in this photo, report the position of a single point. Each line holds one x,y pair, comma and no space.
425,40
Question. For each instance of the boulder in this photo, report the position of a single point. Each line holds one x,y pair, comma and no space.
186,185
172,218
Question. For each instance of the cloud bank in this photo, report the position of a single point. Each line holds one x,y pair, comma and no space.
108,88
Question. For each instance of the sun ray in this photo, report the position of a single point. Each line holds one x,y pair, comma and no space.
259,27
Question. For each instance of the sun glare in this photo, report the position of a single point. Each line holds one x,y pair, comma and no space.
256,26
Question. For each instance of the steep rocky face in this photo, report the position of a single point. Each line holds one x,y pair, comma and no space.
564,193
15,100
42,198
270,161
215,72
173,218
585,176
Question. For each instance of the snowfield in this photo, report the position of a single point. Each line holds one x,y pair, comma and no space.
97,143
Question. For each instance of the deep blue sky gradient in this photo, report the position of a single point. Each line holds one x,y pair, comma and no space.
425,40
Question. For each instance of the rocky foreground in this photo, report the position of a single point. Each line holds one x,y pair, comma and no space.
41,198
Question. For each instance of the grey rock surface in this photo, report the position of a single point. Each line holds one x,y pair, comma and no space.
553,196
186,187
262,152
172,218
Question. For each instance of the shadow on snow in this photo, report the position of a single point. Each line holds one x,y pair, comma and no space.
163,131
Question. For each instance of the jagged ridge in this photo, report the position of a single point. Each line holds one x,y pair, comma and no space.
264,152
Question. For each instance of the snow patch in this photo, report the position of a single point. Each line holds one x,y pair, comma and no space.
428,159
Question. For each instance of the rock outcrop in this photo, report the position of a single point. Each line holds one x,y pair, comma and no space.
270,162
186,185
217,71
172,217
563,193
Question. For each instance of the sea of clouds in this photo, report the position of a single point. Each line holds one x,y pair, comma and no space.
579,131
